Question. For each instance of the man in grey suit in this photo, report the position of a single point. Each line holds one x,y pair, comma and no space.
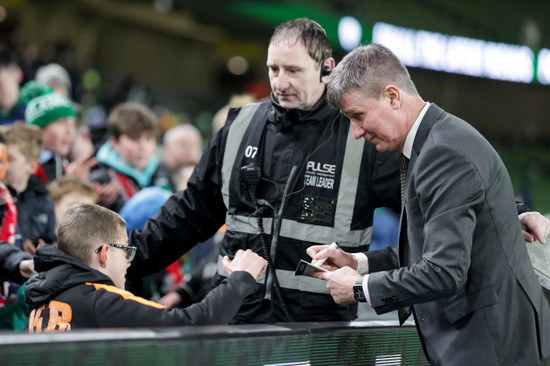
461,265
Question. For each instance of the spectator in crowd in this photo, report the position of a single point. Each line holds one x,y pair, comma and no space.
80,156
13,101
80,283
55,115
54,76
126,161
15,265
35,209
68,190
181,146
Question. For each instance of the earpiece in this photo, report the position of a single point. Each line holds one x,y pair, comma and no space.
325,70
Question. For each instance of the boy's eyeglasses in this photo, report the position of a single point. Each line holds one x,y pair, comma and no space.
130,250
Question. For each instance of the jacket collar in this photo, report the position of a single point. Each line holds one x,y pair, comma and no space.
433,114
284,118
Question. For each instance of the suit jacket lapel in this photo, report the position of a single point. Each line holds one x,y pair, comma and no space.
432,115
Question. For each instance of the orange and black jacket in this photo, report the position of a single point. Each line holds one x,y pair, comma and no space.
66,294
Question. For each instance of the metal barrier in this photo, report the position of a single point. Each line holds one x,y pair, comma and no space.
335,343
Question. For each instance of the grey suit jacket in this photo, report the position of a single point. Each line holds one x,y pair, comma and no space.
463,262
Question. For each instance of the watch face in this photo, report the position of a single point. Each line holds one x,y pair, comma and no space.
358,292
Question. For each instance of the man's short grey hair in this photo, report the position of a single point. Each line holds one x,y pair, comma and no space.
368,69
174,133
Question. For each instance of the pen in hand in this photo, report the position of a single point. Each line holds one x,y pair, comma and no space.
320,262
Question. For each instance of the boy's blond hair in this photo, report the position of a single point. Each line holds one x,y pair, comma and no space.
27,138
86,226
68,184
131,119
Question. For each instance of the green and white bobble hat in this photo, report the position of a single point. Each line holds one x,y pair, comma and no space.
48,108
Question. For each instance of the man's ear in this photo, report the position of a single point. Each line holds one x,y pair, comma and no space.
331,64
393,94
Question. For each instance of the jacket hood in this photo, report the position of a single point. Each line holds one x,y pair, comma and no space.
58,272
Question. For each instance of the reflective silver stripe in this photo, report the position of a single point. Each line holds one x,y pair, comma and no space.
233,142
299,231
347,193
322,234
247,224
288,280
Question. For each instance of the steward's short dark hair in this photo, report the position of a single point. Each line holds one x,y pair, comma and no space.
310,33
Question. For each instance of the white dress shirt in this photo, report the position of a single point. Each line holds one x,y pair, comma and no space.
362,260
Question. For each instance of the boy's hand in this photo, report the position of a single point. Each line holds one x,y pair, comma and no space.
81,168
245,261
106,193
26,268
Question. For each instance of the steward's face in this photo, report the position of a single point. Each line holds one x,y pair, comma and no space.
294,75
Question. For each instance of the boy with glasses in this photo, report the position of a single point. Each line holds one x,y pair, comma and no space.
80,283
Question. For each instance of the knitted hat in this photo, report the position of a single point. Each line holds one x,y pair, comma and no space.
52,74
48,108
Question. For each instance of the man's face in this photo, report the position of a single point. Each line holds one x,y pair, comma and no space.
375,120
136,152
59,136
185,149
294,75
10,77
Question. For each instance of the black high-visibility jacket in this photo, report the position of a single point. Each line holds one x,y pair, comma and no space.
335,185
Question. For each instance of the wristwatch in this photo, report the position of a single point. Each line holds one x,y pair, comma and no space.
358,292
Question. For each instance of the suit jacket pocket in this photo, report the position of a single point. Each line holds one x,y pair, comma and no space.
470,302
